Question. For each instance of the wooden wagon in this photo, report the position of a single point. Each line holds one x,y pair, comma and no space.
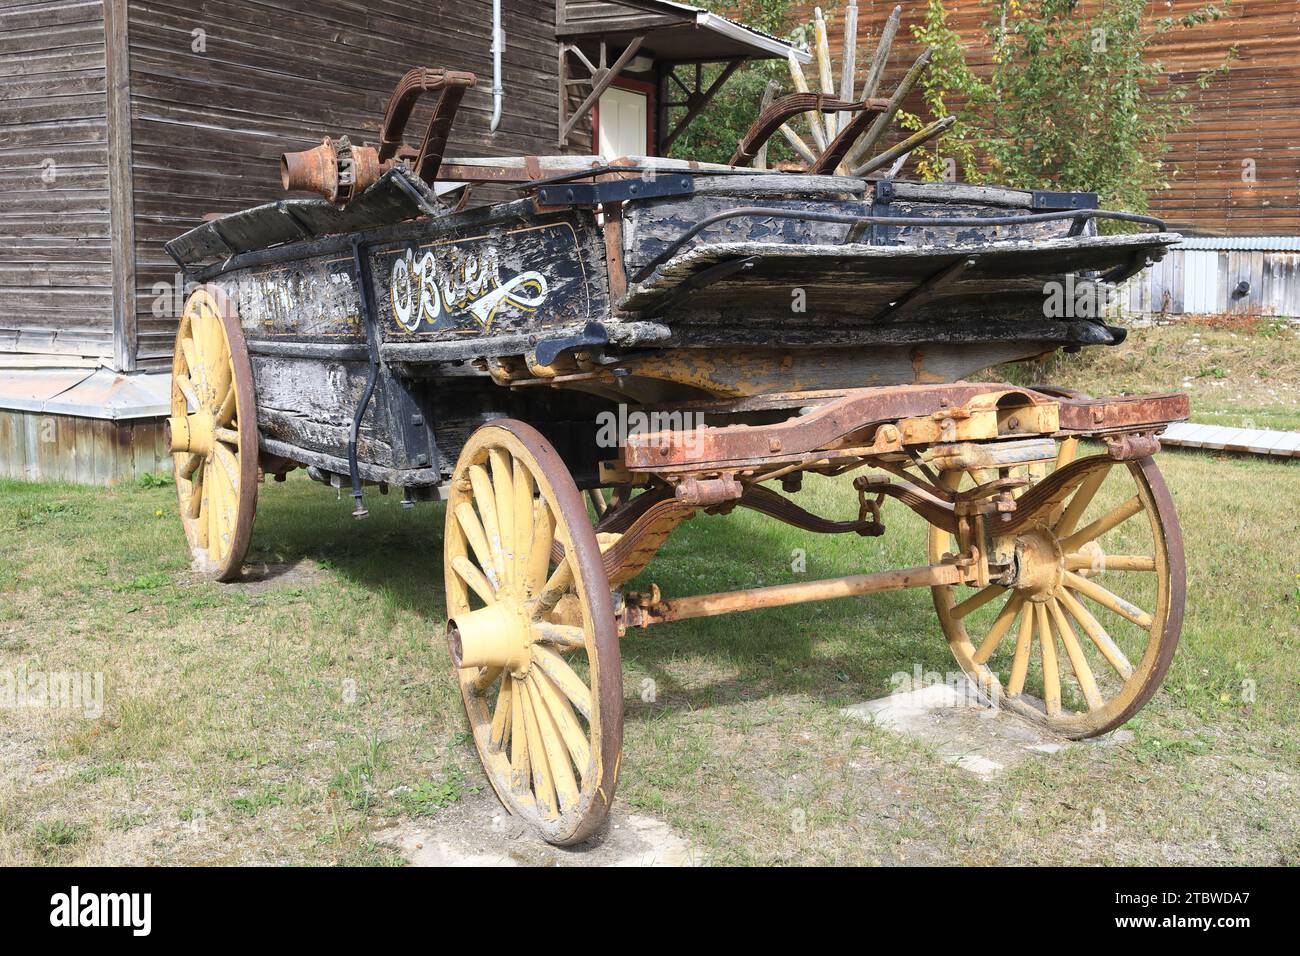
578,370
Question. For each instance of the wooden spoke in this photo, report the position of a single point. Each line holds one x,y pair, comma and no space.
484,679
227,435
475,578
557,754
565,719
1001,625
229,465
569,683
539,559
216,501
189,465
487,514
598,502
225,410
1024,644
565,635
520,763
192,506
1111,519
543,781
473,531
1082,561
501,716
524,526
1051,672
187,389
1079,503
1096,633
503,490
977,600
1067,452
556,585
1078,663
202,519
190,353
1106,599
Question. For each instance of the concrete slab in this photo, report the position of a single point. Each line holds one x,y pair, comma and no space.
477,831
964,731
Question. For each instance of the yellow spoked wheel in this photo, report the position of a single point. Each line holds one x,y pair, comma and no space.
531,632
1080,635
212,433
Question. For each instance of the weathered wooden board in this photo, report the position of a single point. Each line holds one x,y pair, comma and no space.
38,446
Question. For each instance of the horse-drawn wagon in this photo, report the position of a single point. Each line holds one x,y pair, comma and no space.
769,325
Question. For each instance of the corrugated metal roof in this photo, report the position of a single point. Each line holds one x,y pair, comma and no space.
737,31
89,393
1254,243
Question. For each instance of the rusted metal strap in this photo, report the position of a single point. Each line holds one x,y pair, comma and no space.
839,147
819,429
1127,412
409,89
768,502
770,120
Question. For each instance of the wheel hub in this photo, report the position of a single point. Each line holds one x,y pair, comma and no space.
499,635
191,433
1040,564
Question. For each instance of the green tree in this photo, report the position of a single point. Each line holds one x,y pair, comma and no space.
1074,98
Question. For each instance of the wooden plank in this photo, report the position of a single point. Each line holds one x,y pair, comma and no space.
121,204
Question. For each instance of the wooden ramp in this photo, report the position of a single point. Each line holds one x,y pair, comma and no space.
1256,441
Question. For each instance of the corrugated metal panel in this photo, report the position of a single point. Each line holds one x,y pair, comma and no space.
1200,281
1205,282
86,393
1262,243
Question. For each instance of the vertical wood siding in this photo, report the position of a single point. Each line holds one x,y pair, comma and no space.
55,278
35,446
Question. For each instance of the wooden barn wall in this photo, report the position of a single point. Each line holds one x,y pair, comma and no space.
55,276
209,125
1251,113
36,446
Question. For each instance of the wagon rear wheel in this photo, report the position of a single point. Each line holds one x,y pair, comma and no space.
532,635
1083,637
213,433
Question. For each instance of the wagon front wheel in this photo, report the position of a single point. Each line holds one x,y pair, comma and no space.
531,631
212,433
1080,635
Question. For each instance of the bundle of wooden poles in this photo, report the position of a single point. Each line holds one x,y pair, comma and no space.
824,127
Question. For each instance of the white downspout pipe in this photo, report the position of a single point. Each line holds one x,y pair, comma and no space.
498,44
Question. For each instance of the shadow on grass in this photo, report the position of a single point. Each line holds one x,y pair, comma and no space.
846,648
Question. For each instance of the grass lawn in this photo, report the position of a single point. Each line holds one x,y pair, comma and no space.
283,721
1243,371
